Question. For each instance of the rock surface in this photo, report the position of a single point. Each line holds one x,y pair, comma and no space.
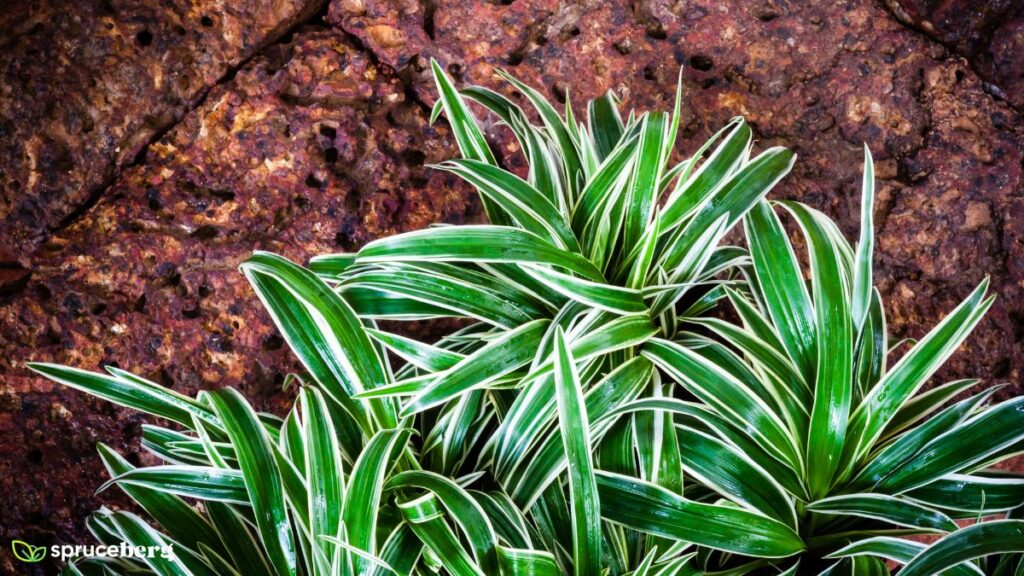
320,144
990,35
83,91
311,148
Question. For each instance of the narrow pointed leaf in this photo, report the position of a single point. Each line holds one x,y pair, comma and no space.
575,429
466,512
898,550
734,475
981,539
726,394
598,295
862,281
649,508
466,130
475,244
510,352
905,378
957,449
365,490
262,480
886,508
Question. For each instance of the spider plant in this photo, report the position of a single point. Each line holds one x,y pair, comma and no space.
589,417
812,427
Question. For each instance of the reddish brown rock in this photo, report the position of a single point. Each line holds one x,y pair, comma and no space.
312,148
83,90
990,35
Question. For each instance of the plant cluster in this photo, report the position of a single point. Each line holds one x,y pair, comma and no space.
592,416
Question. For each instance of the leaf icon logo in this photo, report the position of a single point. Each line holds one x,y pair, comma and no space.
27,552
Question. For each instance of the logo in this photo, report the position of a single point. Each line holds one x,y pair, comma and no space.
64,553
27,552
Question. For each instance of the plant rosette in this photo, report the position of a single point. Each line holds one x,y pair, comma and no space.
596,414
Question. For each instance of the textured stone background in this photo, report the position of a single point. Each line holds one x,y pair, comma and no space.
148,147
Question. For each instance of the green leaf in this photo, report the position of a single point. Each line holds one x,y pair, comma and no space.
331,266
426,518
734,475
508,521
645,181
544,168
325,334
262,479
379,305
673,123
324,472
700,415
868,566
781,285
597,295
973,495
527,563
620,333
575,429
526,205
182,522
605,123
834,343
886,508
870,419
643,257
862,281
713,173
466,130
901,450
556,128
924,404
726,394
755,322
458,430
200,482
137,533
423,356
982,539
499,357
604,187
526,477
743,190
649,508
466,512
897,550
475,244
871,358
376,563
400,551
135,393
365,488
692,267
959,448
784,385
460,296
241,544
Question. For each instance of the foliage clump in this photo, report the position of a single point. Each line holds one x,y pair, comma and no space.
592,417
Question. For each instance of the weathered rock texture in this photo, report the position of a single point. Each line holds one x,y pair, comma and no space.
84,88
990,35
311,148
319,144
